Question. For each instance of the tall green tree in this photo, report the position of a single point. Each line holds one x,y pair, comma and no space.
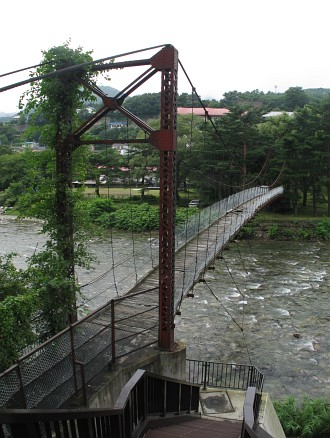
58,97
295,97
325,134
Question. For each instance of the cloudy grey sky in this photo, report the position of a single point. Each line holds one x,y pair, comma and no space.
224,45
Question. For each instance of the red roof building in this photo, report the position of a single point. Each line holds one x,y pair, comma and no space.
212,112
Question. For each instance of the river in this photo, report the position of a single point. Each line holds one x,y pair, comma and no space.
264,303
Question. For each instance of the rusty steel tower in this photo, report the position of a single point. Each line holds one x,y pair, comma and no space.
164,62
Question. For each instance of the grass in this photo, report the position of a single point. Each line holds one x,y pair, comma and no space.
126,192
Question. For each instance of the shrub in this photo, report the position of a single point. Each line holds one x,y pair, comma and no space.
273,231
141,217
247,232
302,233
309,419
99,206
323,229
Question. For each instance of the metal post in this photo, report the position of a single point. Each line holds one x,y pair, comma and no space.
113,333
83,381
21,384
73,352
205,364
165,140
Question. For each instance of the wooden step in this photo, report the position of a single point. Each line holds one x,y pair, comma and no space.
198,428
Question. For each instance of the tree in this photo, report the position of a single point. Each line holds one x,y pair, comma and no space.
58,97
325,133
295,97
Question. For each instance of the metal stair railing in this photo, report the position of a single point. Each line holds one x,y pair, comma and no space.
146,395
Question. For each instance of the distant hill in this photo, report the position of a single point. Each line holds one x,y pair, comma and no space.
6,117
110,91
2,114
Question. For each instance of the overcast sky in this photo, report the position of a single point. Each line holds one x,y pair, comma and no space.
242,45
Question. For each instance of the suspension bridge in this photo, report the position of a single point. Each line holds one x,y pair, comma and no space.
49,375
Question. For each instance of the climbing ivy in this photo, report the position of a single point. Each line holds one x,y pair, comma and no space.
56,99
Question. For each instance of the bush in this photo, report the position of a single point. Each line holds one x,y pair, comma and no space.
309,419
138,218
273,231
247,232
17,304
323,229
99,206
302,233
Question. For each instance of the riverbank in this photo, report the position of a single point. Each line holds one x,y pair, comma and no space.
260,227
286,229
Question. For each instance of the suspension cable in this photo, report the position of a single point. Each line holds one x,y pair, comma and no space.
73,68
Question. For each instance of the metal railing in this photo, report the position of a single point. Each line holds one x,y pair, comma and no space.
145,395
199,222
221,375
51,373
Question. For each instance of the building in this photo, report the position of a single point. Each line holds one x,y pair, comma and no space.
212,112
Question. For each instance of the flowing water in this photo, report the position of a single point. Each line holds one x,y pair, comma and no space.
264,303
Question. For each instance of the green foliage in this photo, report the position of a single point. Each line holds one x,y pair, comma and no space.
13,169
132,216
273,231
99,206
17,304
309,419
323,229
16,331
53,104
11,280
304,234
55,292
141,217
247,232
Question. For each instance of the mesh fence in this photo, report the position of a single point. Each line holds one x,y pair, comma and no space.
50,374
136,322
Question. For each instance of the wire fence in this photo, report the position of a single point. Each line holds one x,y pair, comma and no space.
53,372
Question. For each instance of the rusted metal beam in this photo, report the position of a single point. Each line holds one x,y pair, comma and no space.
165,140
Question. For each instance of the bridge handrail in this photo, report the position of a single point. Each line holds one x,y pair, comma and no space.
206,216
54,371
144,395
251,408
260,197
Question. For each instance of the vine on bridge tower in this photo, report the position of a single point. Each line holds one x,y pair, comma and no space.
56,100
